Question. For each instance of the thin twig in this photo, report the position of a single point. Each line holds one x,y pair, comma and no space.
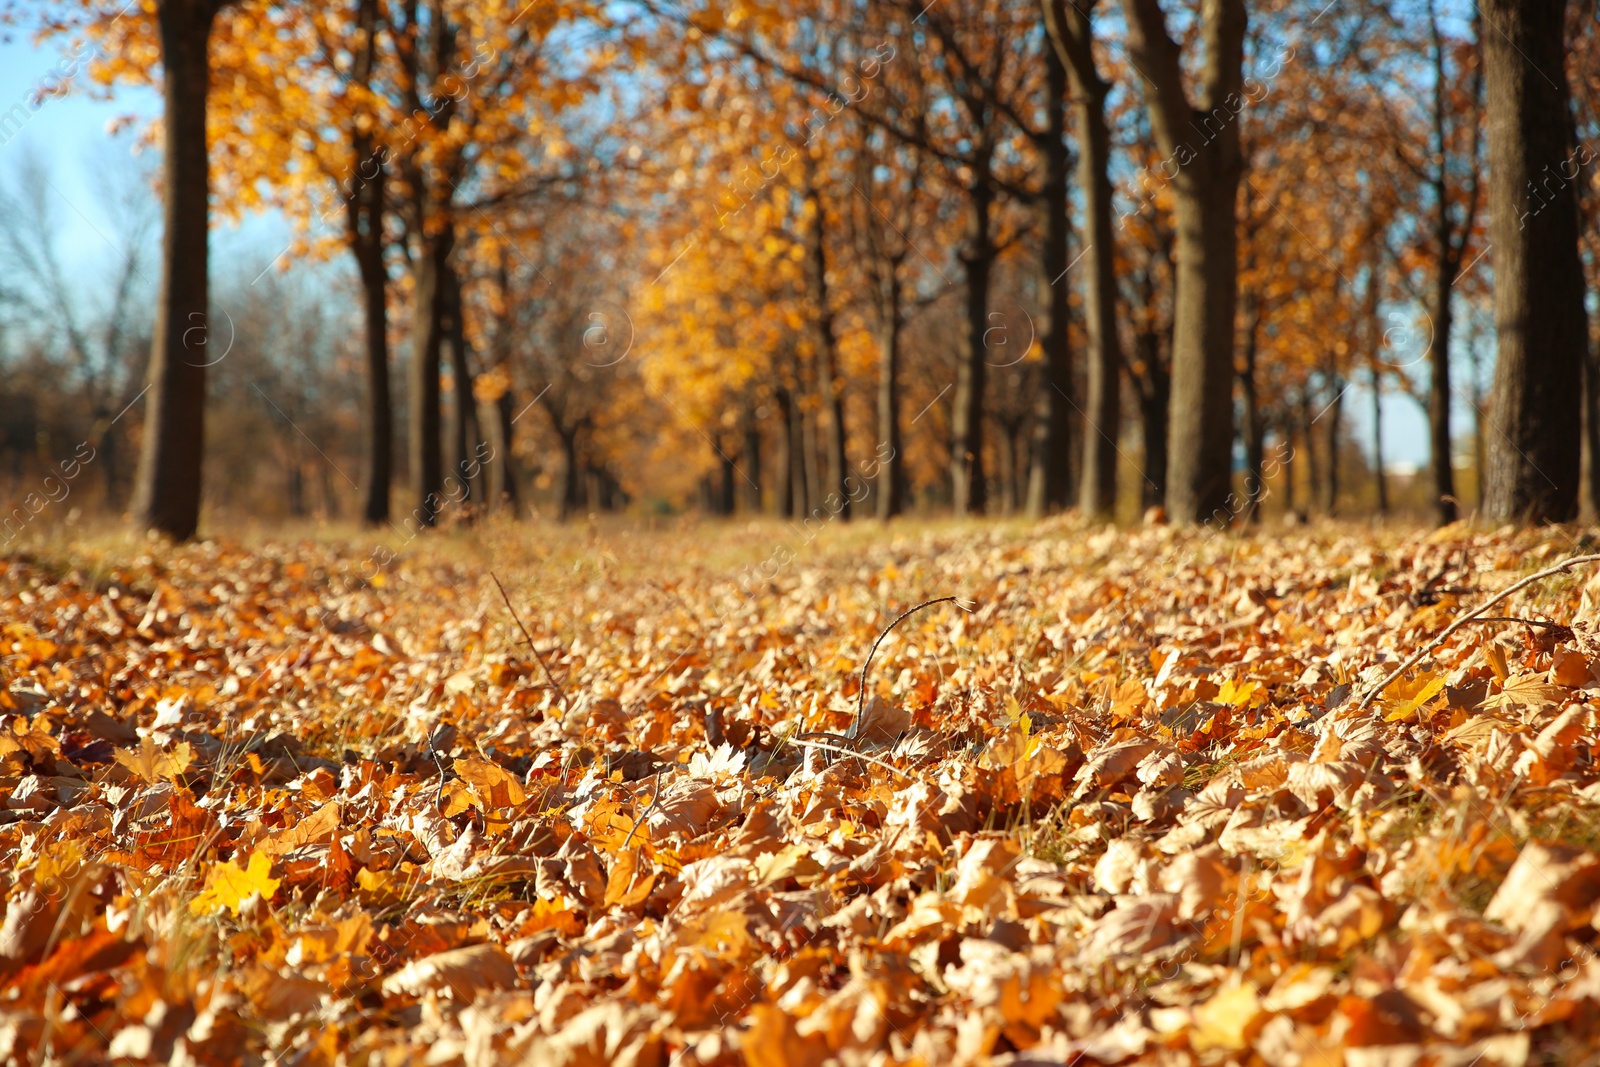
1524,622
852,752
438,796
1548,572
643,815
861,703
562,693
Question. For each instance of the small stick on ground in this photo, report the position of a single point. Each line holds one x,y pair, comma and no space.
852,752
438,796
1476,613
562,693
1523,622
861,703
643,815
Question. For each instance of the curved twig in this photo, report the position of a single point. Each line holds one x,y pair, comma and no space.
1420,654
1523,622
852,752
562,693
643,815
861,703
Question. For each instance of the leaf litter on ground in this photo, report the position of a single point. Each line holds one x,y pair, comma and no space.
590,797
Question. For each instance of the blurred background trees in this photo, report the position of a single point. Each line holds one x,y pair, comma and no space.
816,259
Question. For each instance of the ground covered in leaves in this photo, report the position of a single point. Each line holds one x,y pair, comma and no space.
323,803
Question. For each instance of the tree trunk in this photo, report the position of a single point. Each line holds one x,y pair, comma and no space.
1289,467
464,433
1006,459
502,469
968,489
750,455
364,219
1155,401
1050,476
167,490
1255,430
1333,413
1203,144
430,266
1443,462
725,483
570,500
1540,321
1591,435
890,485
811,461
783,456
1308,433
365,213
1072,32
502,472
828,349
1379,474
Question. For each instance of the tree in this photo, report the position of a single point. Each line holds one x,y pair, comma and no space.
1071,32
1201,144
1438,146
167,485
1540,321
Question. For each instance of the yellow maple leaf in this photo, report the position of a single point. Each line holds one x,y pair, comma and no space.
495,786
1239,694
1525,690
227,885
1408,695
152,764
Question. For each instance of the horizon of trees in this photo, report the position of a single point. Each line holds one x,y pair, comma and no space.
827,259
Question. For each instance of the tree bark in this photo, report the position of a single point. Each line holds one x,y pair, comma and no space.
1155,400
1540,320
1313,463
1072,32
1591,436
1289,467
1333,413
365,215
1050,474
464,433
167,488
828,351
725,483
1255,430
502,472
783,456
570,500
1380,476
750,456
968,488
364,219
1444,478
1202,144
810,462
890,486
430,266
